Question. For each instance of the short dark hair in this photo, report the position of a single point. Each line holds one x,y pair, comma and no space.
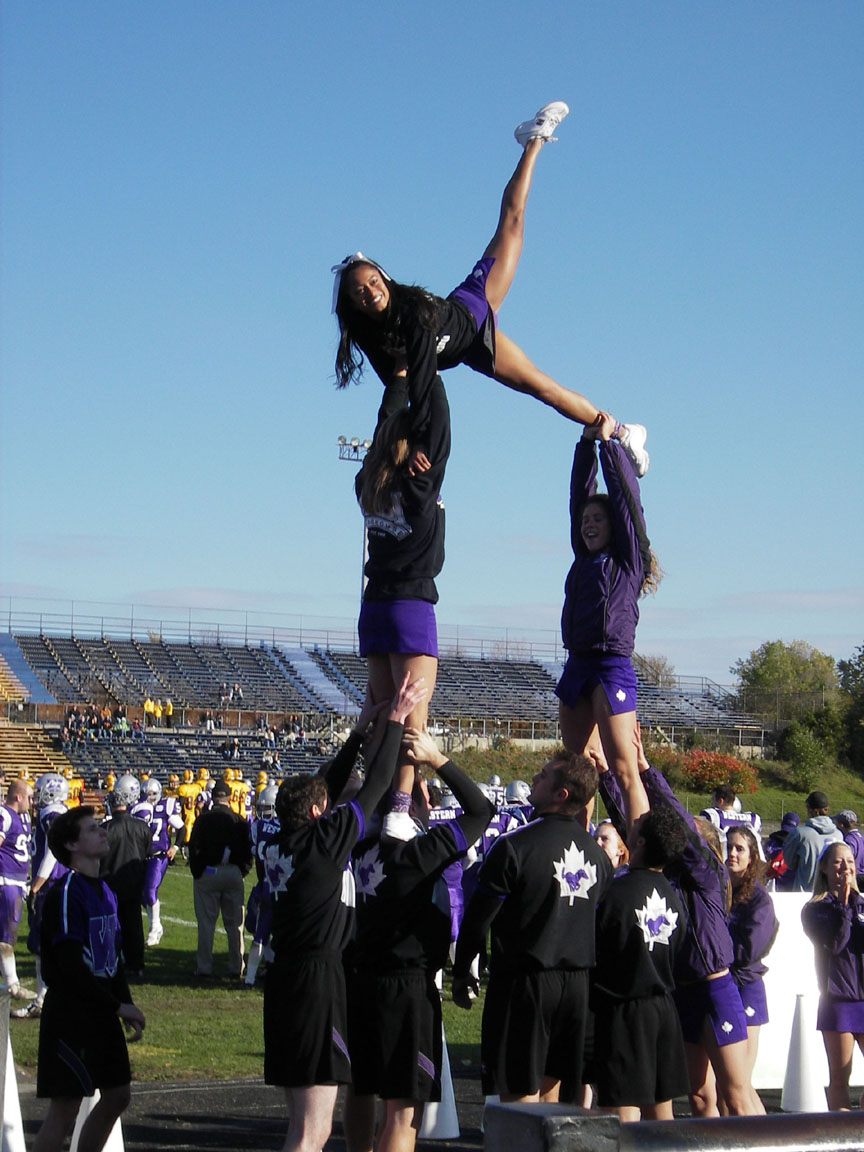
65,829
665,836
578,775
725,792
295,797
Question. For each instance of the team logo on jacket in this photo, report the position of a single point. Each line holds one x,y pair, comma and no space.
656,920
576,875
278,869
368,872
394,523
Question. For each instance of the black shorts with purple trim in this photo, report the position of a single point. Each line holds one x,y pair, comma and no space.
305,1023
395,1034
80,1049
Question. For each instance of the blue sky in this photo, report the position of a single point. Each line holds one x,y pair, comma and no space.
177,178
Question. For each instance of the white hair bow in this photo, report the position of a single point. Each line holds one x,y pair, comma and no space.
338,269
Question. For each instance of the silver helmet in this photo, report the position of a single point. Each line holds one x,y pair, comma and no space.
51,788
126,792
265,805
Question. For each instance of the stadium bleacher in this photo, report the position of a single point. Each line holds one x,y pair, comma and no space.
315,683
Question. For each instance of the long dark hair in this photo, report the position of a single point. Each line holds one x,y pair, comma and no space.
409,307
384,463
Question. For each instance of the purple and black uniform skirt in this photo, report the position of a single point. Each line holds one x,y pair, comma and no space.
404,626
613,673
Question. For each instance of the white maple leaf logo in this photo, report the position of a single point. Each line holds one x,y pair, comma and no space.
656,920
368,872
575,874
278,869
726,1026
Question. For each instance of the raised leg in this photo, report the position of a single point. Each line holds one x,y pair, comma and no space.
506,245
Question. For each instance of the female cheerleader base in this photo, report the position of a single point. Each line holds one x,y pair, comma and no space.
408,335
834,922
753,928
612,567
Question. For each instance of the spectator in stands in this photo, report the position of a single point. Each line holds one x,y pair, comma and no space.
847,822
834,922
806,843
169,712
223,694
405,525
613,566
149,707
220,855
236,694
81,1042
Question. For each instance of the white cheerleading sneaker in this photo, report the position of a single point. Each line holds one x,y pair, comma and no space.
543,124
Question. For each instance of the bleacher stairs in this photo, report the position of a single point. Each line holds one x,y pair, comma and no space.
26,746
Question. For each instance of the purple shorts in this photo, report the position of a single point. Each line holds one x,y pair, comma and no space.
472,294
717,1001
259,914
614,674
11,901
154,870
755,1002
403,626
840,1015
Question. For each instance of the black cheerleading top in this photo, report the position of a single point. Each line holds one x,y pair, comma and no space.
406,545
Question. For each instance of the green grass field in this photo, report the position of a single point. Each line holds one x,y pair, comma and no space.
204,1032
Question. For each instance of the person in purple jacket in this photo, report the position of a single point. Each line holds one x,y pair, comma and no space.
612,567
753,927
834,922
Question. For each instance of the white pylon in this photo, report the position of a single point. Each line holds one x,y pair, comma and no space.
440,1119
13,1127
804,1082
114,1143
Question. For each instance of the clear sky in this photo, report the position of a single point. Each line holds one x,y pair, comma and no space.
178,176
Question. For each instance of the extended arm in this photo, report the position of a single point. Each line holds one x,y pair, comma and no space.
583,483
628,519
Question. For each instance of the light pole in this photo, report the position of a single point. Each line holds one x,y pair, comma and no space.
354,451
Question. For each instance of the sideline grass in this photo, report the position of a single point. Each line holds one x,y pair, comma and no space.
209,1031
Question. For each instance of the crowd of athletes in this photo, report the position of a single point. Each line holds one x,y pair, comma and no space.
588,947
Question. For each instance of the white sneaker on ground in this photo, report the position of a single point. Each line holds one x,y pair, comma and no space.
543,124
32,1011
632,439
154,936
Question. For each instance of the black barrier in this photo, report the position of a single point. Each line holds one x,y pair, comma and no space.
562,1128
